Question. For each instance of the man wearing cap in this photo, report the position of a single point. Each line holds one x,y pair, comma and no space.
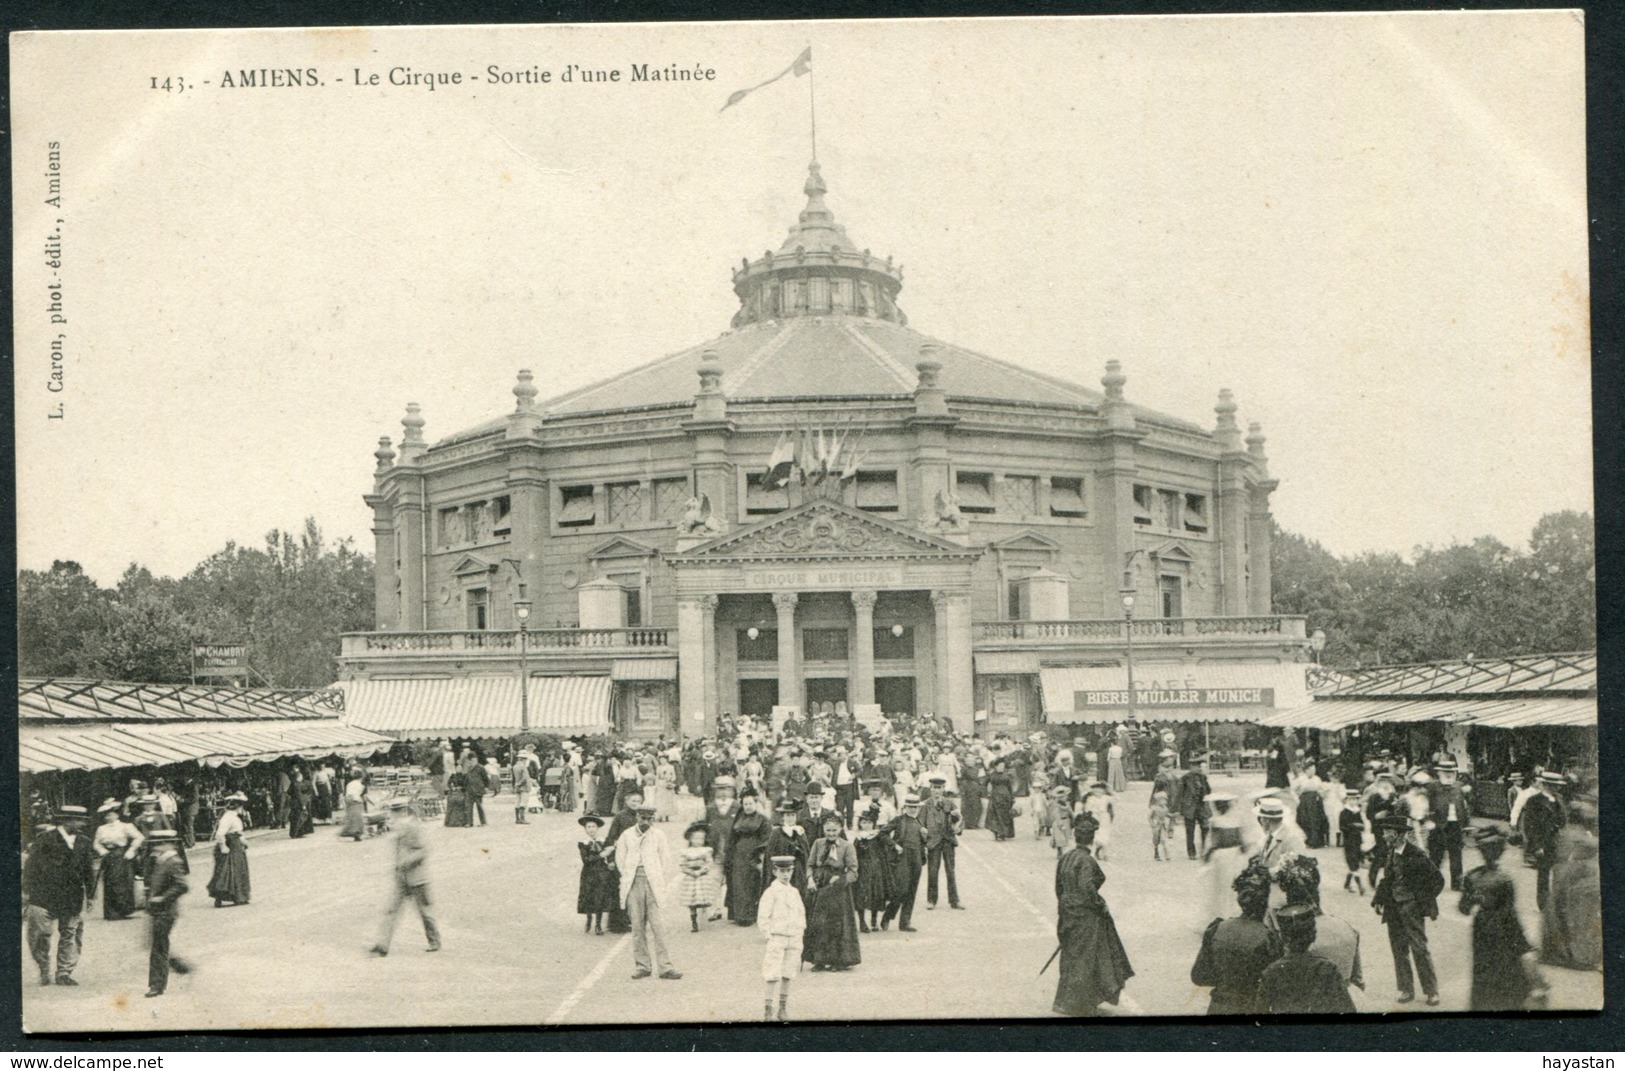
410,879
942,828
1449,815
644,860
1406,897
720,814
59,878
908,834
1193,789
1543,817
163,905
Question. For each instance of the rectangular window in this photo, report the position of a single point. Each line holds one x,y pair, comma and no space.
451,527
1143,498
1195,513
1172,603
820,293
877,492
1167,509
576,508
1019,496
634,608
759,500
478,605
975,491
1014,603
501,507
1066,497
890,646
671,498
764,648
823,644
625,503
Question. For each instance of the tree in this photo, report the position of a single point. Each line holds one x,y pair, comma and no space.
58,612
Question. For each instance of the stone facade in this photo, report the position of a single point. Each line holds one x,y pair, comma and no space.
930,495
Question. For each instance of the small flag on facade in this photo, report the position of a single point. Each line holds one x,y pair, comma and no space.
781,463
799,68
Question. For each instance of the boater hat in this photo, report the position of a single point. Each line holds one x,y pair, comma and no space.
236,797
1551,777
644,808
590,820
70,810
1270,807
788,806
110,805
911,800
163,836
1445,766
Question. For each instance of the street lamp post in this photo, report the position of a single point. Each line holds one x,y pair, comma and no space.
1128,642
521,611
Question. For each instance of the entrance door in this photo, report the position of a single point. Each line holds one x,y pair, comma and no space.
895,695
757,698
821,690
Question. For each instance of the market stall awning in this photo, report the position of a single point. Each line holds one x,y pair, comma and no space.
1335,714
42,748
1173,692
71,700
414,709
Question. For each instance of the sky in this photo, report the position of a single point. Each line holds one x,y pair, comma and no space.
1372,228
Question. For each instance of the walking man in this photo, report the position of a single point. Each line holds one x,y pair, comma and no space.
1407,896
942,827
909,835
1193,790
59,879
1542,817
163,905
1449,814
409,879
644,860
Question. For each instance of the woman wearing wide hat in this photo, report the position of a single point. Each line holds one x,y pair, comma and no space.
118,846
230,881
599,890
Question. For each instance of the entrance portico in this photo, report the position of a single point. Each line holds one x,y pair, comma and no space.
824,601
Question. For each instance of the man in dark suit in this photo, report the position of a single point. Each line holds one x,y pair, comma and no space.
942,824
908,834
719,820
811,814
1407,896
59,879
1447,809
1542,817
163,904
1193,791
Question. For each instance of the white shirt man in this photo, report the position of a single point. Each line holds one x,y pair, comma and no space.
644,858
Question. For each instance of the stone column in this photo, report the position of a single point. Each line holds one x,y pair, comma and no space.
789,669
691,671
955,670
708,630
939,665
863,647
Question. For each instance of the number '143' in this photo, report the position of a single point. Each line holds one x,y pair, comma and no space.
170,85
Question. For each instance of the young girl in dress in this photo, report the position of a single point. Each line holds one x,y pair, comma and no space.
1098,804
665,790
1038,801
700,882
1162,824
599,891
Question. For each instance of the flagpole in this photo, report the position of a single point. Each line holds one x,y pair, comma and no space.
812,109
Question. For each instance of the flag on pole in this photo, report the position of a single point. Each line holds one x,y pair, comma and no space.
799,68
780,463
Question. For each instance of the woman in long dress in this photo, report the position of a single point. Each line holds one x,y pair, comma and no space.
1573,914
831,942
1504,974
1094,965
973,787
230,881
1116,773
1235,951
301,799
664,790
355,807
117,844
599,891
458,812
1001,802
744,859
1311,808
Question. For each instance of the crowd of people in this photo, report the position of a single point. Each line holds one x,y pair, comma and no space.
820,834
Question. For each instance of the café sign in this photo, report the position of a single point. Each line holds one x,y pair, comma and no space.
1155,697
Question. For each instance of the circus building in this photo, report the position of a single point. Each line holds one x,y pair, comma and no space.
822,506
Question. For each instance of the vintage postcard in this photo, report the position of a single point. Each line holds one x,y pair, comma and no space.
805,521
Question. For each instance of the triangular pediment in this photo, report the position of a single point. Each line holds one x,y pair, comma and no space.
1172,552
473,564
621,547
824,530
1028,540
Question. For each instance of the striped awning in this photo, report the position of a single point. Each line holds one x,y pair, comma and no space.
477,706
643,669
1337,714
1173,692
42,748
